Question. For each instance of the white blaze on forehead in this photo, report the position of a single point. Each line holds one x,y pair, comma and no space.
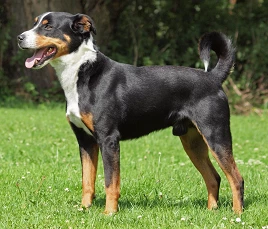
40,19
30,35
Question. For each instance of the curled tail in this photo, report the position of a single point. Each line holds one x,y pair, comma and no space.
224,50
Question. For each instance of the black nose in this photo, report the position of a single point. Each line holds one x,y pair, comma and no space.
21,37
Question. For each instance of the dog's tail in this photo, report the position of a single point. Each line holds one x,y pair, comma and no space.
224,50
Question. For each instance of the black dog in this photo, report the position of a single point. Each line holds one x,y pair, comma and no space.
109,101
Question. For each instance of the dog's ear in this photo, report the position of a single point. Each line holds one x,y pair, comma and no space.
83,24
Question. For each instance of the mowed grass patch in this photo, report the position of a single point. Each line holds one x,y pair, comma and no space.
40,175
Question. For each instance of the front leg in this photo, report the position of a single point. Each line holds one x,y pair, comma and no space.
111,161
89,160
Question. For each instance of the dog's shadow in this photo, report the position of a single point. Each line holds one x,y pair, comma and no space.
225,202
129,203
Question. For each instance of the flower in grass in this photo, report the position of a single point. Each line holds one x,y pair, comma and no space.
241,162
224,218
183,219
67,190
139,217
265,227
254,162
238,220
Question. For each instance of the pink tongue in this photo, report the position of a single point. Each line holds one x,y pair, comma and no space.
29,63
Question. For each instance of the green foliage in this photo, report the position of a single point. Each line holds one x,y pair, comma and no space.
30,88
252,40
54,93
4,85
157,32
40,177
167,32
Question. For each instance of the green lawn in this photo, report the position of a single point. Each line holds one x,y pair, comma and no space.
40,178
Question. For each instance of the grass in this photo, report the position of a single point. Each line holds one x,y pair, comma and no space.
40,177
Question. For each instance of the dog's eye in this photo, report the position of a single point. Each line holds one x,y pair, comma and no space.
48,27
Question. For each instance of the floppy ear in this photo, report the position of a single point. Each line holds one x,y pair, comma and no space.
83,24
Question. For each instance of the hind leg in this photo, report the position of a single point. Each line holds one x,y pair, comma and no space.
227,163
217,135
197,151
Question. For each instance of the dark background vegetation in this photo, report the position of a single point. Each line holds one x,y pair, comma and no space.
151,32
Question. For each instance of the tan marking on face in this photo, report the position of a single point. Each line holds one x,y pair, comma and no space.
87,119
36,19
62,46
67,38
44,22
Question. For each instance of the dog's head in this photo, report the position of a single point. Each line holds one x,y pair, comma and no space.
55,34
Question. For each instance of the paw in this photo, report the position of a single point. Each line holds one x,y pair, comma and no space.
109,212
87,201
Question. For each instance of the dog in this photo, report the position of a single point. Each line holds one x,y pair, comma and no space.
109,101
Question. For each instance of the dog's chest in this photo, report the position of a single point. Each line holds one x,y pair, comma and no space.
68,79
72,109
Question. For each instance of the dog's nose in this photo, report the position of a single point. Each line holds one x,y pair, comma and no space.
21,37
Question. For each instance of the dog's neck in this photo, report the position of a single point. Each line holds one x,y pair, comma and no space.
67,68
68,65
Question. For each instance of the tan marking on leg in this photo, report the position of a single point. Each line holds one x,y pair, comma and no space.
197,151
236,181
87,119
232,174
112,195
89,171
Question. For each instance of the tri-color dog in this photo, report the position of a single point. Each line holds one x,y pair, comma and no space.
109,101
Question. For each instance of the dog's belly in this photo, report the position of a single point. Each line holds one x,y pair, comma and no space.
139,128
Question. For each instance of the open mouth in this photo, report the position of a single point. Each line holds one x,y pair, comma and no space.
40,56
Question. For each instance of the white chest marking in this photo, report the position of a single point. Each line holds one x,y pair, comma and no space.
67,68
